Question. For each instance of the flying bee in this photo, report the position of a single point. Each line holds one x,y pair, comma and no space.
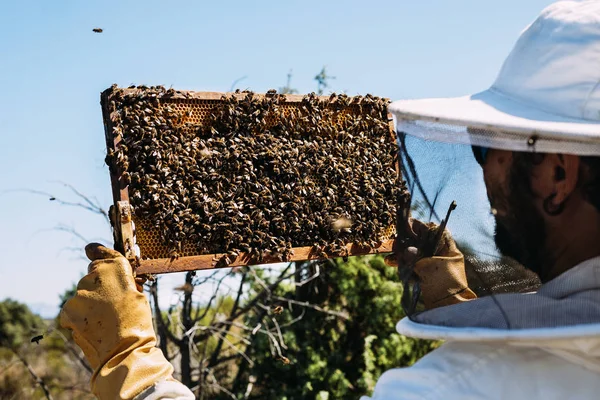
37,339
97,30
186,288
341,224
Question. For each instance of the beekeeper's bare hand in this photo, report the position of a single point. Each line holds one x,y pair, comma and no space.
442,278
112,323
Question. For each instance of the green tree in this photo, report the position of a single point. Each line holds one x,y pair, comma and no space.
341,355
323,79
17,324
37,362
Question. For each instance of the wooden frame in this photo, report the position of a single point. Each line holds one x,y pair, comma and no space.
121,216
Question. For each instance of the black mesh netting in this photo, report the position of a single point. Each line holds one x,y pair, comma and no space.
438,174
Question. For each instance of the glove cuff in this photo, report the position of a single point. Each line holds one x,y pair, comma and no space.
130,373
443,280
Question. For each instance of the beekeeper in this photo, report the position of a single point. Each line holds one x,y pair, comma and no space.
536,135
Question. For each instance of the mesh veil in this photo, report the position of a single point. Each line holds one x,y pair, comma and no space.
439,173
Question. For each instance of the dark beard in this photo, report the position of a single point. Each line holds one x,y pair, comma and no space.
521,234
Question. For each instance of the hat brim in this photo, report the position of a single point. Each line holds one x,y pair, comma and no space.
510,124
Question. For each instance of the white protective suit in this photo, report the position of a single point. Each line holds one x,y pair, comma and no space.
545,345
552,350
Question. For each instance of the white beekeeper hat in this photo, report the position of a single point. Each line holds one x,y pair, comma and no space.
546,97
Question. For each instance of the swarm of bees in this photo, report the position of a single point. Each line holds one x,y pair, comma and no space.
259,177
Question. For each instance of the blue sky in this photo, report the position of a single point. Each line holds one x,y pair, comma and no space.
53,68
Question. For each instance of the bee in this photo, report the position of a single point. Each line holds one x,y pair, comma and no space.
186,288
277,310
223,262
97,30
126,178
37,339
284,360
341,224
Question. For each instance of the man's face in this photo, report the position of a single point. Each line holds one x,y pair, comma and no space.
520,228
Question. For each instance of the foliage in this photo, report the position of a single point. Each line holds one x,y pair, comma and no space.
17,323
323,79
31,370
332,357
70,292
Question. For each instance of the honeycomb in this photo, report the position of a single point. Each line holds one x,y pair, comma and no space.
195,109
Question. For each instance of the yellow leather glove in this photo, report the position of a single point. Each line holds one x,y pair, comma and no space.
443,279
112,323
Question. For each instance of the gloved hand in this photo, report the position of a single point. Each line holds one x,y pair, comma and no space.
112,323
442,278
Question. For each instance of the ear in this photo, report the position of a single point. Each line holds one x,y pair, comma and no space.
566,174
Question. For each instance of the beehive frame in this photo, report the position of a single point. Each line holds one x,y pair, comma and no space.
197,105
